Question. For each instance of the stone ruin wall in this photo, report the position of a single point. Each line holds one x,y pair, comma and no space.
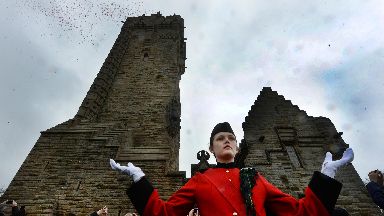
287,146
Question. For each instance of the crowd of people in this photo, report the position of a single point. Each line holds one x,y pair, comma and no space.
104,212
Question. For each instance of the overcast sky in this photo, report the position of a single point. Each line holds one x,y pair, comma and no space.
326,57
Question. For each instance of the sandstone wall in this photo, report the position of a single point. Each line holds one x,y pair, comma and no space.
131,113
287,146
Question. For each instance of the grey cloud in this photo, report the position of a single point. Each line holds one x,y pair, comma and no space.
35,93
235,46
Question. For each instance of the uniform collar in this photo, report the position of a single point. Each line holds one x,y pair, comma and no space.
226,165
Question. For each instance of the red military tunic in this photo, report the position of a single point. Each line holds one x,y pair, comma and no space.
217,192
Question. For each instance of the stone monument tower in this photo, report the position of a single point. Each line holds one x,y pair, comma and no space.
130,113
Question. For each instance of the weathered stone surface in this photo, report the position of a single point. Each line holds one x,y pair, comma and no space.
131,113
293,146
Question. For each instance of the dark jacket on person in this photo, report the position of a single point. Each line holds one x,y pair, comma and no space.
377,193
9,210
16,211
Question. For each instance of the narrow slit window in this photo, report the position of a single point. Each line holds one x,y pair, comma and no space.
146,56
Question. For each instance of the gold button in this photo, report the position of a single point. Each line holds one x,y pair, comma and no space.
227,171
234,213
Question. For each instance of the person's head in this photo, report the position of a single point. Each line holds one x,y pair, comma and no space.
3,206
6,207
376,176
223,143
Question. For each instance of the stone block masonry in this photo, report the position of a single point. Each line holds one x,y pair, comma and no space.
287,146
132,113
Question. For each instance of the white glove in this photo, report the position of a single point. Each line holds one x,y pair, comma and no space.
330,167
131,170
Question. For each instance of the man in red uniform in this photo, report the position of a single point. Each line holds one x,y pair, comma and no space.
227,190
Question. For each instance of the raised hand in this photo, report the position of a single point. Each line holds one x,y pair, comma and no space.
103,211
330,167
131,170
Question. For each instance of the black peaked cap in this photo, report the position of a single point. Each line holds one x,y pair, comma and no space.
221,127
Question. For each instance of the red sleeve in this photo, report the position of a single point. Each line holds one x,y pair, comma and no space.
320,198
180,203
